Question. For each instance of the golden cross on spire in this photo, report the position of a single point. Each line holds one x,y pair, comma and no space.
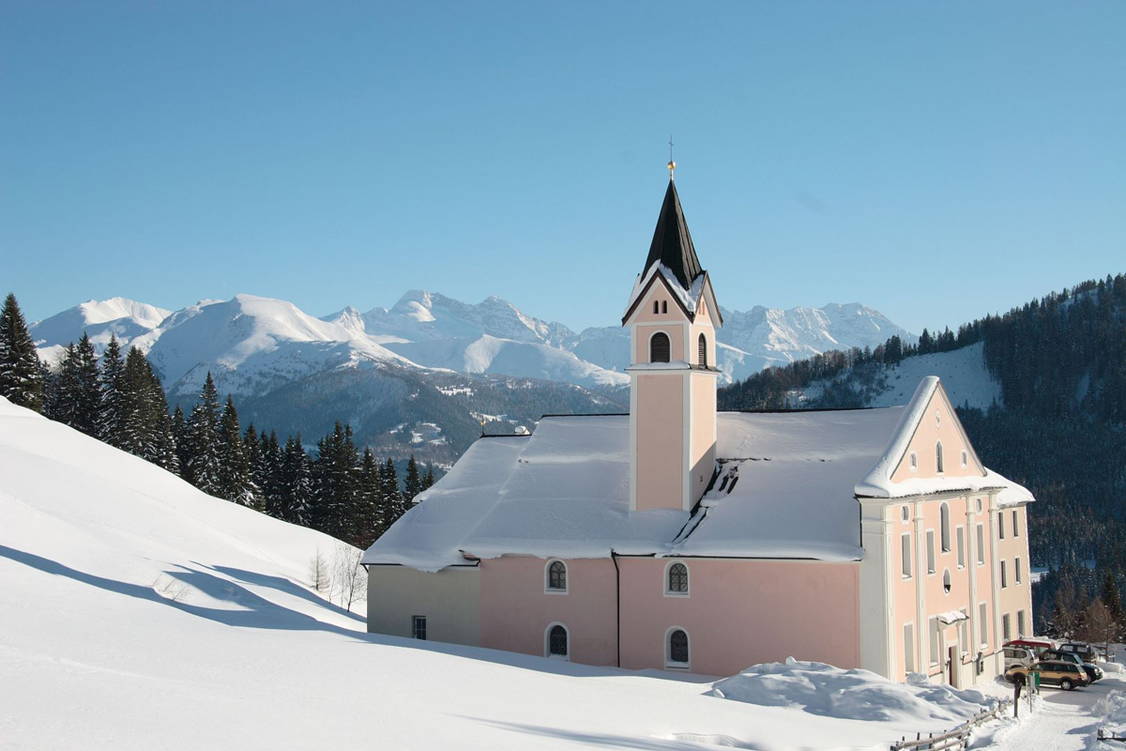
671,165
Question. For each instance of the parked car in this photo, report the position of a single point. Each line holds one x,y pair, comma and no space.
1065,674
1018,656
1036,643
1085,651
1094,672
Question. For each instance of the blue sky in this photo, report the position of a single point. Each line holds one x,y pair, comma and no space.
937,161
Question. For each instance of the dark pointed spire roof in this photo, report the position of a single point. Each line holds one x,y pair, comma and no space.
672,244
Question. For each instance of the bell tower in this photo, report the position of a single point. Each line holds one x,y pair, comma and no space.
672,316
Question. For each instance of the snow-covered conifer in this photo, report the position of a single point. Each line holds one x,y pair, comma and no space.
21,373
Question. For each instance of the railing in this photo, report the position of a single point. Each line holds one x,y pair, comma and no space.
958,738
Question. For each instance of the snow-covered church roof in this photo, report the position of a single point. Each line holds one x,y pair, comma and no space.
787,488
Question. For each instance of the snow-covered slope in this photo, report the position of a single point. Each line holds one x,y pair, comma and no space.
963,373
126,319
138,613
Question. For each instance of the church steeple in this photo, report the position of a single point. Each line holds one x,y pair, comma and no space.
672,315
672,243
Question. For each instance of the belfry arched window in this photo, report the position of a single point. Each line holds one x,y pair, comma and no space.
702,346
659,347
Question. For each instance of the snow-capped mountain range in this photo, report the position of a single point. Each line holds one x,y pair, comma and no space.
427,375
253,344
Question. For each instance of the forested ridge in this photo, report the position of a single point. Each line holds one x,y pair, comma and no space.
1059,429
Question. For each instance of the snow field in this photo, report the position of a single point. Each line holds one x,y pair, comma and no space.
138,613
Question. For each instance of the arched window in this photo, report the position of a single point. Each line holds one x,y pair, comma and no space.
678,648
702,347
558,641
557,576
946,581
659,347
677,579
656,307
944,515
938,457
664,306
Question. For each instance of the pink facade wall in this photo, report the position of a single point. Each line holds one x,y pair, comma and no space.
660,440
938,425
1016,597
702,433
516,612
737,612
742,612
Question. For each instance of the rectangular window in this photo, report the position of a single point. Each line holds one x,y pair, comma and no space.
934,627
980,545
1016,527
1001,526
961,547
418,626
905,553
1016,570
964,632
930,551
1005,633
909,648
983,623
1020,624
1004,576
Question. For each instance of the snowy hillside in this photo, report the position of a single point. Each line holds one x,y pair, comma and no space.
139,613
963,373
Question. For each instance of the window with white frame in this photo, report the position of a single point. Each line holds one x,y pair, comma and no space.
1016,570
676,579
659,347
944,526
946,581
961,537
1006,628
930,551
1000,526
1021,624
983,623
909,647
965,458
934,628
905,554
938,458
1004,576
1016,527
981,545
555,577
676,654
905,513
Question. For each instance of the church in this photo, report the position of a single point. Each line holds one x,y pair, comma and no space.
682,538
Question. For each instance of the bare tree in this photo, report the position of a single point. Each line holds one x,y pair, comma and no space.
318,572
350,580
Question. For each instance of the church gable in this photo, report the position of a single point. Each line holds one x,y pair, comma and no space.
938,446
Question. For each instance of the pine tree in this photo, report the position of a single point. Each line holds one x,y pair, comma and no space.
86,394
59,387
369,516
334,487
21,372
390,497
135,432
412,485
235,482
295,486
204,444
428,481
164,451
110,411
179,427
